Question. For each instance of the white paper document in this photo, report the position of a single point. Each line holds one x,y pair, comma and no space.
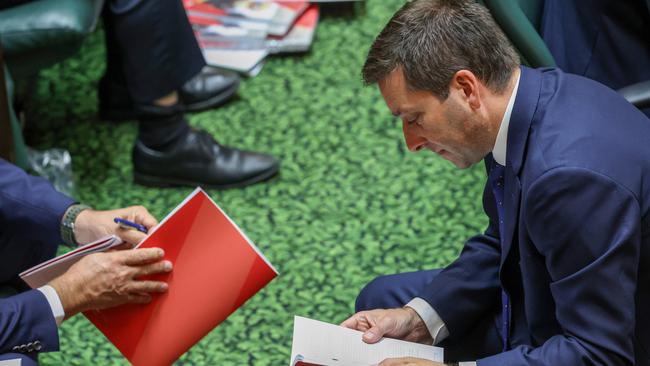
319,343
43,273
248,62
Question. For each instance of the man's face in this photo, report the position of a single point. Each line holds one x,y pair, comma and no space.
454,129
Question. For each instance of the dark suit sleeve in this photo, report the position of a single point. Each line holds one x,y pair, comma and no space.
27,318
468,291
30,207
587,227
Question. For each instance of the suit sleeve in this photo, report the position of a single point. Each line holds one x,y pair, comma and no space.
27,320
588,228
30,207
468,290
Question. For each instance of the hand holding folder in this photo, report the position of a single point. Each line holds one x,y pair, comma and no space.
106,280
216,269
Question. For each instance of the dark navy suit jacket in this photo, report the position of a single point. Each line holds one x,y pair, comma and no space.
576,244
604,40
30,213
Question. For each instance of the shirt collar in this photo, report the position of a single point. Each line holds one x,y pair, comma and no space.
501,144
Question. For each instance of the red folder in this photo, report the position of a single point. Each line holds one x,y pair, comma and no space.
216,269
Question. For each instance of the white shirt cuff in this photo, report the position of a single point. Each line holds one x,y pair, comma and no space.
55,303
432,320
467,364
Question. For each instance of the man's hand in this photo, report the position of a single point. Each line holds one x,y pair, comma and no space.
403,323
104,280
408,361
92,225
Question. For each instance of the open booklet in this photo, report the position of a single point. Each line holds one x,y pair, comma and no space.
317,343
43,273
216,269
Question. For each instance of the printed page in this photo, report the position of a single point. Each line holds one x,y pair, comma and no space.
330,344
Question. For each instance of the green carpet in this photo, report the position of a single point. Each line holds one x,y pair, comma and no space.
351,202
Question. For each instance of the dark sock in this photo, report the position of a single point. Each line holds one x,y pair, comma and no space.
162,128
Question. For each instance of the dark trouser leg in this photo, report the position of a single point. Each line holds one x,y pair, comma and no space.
11,359
152,48
392,291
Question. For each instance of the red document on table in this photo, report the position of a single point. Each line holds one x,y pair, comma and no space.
216,269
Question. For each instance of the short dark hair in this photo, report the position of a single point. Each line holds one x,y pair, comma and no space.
430,40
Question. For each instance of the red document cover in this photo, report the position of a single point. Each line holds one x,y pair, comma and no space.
216,269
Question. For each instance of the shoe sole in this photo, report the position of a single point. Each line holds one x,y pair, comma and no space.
160,182
119,115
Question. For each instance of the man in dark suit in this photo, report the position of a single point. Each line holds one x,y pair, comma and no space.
34,219
559,277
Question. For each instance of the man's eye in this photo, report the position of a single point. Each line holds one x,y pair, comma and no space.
415,120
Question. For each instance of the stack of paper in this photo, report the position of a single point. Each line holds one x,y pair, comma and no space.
301,35
239,34
316,343
286,16
43,273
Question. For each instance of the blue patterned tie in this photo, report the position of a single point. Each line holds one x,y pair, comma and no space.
496,180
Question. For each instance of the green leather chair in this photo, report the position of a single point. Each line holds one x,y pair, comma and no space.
520,20
38,34
9,126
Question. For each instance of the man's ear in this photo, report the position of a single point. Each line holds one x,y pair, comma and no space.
465,82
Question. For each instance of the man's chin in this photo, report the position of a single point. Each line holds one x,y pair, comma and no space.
463,165
460,164
452,158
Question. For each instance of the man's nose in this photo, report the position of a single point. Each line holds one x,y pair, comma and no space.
414,142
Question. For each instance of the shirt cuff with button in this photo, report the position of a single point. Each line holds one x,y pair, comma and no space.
432,320
15,362
434,323
55,303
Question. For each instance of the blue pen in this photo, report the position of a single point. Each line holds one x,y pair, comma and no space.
126,224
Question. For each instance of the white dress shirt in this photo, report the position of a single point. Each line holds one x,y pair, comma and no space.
431,319
54,301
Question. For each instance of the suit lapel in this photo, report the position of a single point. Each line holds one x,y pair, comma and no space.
520,122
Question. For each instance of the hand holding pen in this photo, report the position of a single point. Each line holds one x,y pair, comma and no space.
129,229
92,225
133,225
126,224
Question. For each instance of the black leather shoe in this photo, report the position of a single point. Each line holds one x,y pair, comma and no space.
198,160
208,89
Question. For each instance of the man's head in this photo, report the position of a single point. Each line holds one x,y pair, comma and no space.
443,67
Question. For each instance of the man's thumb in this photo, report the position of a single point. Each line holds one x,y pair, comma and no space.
373,335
